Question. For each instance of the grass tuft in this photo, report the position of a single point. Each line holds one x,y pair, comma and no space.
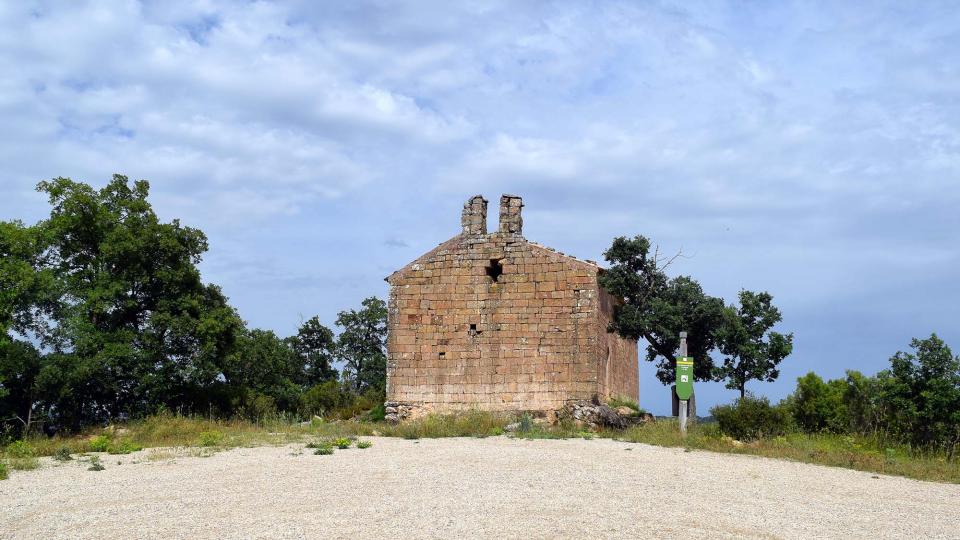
620,401
364,444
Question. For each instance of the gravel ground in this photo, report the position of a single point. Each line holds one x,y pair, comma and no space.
442,488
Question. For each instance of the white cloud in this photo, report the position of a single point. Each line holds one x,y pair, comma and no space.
800,147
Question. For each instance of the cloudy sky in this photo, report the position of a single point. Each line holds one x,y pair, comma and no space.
810,150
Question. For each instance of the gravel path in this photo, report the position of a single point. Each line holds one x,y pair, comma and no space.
443,488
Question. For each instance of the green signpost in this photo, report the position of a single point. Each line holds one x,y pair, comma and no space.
684,381
684,377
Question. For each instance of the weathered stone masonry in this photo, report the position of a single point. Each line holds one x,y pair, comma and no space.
495,322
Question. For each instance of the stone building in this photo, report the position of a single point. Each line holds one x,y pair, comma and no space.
492,321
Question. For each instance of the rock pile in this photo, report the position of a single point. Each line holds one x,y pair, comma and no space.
597,415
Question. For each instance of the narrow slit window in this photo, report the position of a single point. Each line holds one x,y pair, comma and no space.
495,270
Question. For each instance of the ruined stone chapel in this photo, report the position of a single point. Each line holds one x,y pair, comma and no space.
492,321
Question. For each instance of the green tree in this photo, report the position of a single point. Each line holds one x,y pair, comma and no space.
862,400
21,399
264,364
116,295
362,345
657,308
27,287
752,350
921,393
818,405
316,346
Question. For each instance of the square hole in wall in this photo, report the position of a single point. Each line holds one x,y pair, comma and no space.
495,270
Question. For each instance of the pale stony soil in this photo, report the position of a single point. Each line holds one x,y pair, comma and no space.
444,488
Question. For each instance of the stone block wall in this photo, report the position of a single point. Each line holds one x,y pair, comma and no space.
494,322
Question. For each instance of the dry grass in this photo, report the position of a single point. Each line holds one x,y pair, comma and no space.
848,451
181,436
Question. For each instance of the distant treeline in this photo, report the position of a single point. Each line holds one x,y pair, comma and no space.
916,401
104,316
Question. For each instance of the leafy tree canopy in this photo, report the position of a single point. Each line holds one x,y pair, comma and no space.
657,308
363,344
752,351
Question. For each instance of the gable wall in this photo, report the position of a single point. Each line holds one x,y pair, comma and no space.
539,328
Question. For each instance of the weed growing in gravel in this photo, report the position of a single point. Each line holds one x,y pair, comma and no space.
3,471
323,451
342,443
95,464
364,444
62,454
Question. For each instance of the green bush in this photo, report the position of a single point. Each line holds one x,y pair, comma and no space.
20,449
123,447
324,398
819,406
210,438
3,471
100,443
526,423
342,443
323,451
379,412
62,454
751,418
95,464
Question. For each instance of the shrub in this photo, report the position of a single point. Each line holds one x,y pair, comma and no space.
3,471
751,418
210,438
100,443
379,412
526,423
95,464
364,444
324,398
819,406
123,447
323,451
62,454
342,443
20,449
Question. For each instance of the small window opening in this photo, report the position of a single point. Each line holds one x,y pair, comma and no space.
495,270
474,331
443,355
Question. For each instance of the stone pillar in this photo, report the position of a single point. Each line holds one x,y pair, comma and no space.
474,217
510,220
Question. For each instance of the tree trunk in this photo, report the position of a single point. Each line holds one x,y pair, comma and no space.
743,390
